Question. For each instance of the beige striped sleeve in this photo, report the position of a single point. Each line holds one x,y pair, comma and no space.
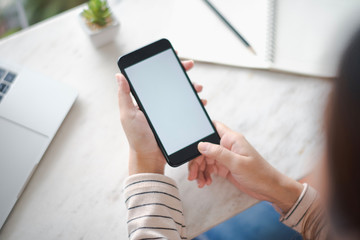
154,207
307,209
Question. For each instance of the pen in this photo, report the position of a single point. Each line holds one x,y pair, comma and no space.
245,42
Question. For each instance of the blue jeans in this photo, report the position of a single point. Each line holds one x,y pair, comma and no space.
260,222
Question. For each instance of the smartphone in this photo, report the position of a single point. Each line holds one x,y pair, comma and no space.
164,93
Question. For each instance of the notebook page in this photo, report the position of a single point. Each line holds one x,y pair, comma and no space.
311,35
250,18
199,34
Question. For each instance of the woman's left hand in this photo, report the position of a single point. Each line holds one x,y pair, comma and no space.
145,155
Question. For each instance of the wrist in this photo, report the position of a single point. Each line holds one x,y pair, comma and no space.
143,163
288,193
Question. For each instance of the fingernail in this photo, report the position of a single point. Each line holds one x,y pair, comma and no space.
202,147
199,184
190,177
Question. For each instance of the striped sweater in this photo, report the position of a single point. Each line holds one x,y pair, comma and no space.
155,210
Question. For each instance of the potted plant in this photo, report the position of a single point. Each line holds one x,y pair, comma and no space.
99,23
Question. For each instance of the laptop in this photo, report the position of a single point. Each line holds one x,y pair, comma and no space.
32,108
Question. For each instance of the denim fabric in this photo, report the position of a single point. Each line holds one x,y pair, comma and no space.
260,222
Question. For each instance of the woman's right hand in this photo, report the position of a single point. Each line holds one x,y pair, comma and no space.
236,160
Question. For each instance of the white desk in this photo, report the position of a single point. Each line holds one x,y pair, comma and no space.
76,191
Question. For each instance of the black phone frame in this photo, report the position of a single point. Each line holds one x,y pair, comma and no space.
189,152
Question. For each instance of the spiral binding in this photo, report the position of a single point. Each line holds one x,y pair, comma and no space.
271,32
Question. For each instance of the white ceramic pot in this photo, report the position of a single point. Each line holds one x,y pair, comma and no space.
101,36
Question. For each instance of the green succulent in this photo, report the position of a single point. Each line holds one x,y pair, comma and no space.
97,13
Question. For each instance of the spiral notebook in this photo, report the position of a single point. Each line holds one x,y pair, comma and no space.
304,37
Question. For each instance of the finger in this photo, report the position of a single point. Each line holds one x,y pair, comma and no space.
210,168
199,160
188,64
210,161
201,180
126,104
193,170
207,173
223,172
215,170
202,166
221,128
208,179
189,167
219,153
204,101
198,87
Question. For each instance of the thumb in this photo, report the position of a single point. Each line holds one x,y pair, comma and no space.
219,153
125,102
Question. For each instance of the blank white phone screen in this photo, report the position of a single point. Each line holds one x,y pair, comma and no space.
169,101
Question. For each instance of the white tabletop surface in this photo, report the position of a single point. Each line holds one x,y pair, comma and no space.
76,192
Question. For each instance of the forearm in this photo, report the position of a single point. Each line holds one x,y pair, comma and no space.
154,207
145,163
286,192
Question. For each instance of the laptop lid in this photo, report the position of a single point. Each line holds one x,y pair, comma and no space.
32,109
